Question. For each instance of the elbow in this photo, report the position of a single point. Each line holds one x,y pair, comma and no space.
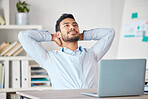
112,32
20,35
23,34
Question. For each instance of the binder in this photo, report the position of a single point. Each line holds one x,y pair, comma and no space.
2,75
1,71
15,70
25,73
6,74
39,77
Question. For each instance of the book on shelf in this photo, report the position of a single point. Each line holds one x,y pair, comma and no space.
37,71
40,80
13,49
39,77
2,21
7,49
40,85
5,46
18,51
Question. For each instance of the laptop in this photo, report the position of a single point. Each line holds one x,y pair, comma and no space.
120,77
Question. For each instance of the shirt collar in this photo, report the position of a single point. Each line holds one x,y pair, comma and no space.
78,51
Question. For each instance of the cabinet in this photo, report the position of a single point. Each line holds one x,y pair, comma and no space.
8,33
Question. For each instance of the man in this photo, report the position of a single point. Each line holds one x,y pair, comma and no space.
71,67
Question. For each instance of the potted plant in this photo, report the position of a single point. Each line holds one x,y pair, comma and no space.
22,17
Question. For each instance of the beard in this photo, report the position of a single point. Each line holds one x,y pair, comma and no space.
71,39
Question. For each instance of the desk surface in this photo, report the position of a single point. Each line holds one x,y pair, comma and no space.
68,94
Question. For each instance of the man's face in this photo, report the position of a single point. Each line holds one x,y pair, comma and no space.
69,30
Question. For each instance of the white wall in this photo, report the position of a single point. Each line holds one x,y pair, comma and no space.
117,12
88,13
133,47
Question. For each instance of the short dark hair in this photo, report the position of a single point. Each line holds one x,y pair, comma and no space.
64,16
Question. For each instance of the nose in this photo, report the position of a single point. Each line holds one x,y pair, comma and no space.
71,26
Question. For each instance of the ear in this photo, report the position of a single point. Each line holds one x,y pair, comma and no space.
58,34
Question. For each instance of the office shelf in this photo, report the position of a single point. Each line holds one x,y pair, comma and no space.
25,89
16,58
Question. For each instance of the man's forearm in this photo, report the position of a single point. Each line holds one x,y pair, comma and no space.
37,35
30,41
98,33
104,36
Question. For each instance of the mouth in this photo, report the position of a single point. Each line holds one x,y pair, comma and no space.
72,32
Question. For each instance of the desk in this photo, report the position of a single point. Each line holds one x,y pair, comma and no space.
68,94
3,92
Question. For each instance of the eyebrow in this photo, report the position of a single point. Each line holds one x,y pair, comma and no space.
69,23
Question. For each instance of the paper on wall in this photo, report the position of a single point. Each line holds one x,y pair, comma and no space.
134,29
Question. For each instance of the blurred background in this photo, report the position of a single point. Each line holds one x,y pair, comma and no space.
127,17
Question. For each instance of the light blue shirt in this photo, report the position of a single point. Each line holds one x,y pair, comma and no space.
68,69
